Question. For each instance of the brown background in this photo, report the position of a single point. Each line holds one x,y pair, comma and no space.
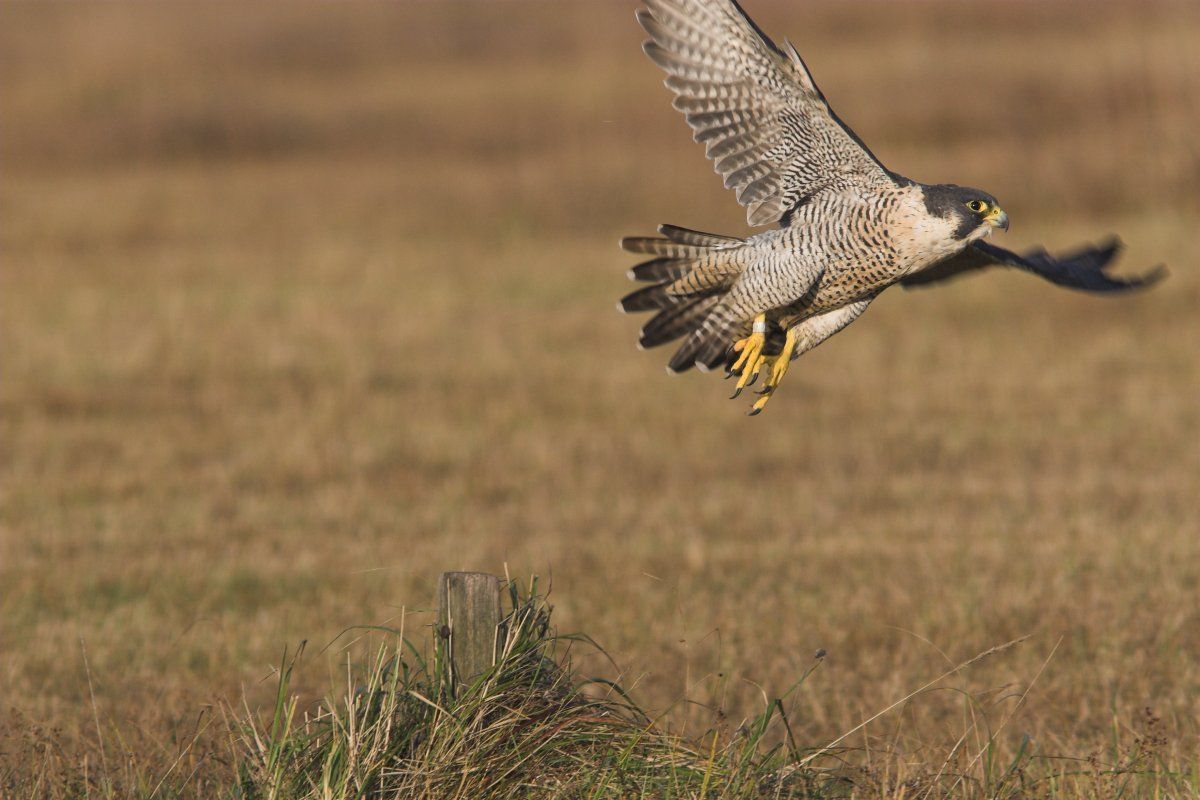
306,303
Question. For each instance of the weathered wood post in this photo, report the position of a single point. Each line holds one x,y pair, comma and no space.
469,619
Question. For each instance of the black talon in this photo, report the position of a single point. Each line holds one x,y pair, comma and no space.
754,412
736,392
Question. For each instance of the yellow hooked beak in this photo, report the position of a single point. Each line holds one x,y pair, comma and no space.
997,218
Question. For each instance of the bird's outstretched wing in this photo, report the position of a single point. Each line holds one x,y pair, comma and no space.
761,117
1084,269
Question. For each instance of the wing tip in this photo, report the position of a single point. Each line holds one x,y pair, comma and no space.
1151,276
1109,251
1112,247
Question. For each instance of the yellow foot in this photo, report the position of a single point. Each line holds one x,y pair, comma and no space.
779,367
751,360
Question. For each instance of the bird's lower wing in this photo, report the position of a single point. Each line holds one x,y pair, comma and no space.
1084,269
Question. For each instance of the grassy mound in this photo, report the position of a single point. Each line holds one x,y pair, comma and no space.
527,728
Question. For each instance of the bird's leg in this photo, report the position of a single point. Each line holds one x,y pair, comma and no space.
803,335
778,368
751,360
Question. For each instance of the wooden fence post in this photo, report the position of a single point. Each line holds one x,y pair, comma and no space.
469,618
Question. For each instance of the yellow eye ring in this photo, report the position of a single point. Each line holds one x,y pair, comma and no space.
978,206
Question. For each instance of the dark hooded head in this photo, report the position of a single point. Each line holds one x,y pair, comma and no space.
974,212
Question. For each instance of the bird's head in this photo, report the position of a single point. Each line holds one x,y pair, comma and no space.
973,212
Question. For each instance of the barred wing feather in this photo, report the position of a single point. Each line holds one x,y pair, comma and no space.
762,119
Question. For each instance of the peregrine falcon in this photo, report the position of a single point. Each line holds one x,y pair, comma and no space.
848,227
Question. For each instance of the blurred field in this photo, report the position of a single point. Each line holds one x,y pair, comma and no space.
304,304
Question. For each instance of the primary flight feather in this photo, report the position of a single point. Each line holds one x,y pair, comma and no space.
848,226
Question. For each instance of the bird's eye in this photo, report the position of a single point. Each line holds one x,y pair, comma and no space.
978,206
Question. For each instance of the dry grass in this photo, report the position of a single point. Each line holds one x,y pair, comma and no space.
402,725
305,304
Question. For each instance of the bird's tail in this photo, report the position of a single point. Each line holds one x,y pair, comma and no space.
689,275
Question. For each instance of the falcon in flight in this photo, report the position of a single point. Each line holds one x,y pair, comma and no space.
848,227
